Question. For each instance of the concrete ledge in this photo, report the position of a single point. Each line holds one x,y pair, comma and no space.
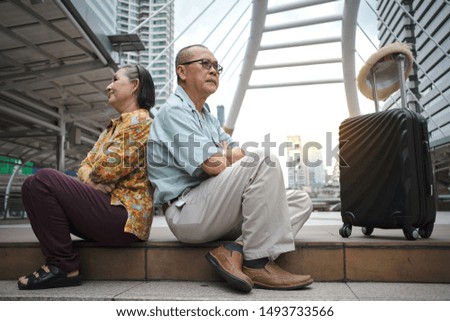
113,263
320,251
177,261
398,264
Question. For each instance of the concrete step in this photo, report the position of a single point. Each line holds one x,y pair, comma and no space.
385,256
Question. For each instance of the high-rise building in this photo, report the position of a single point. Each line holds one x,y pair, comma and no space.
100,16
425,25
156,31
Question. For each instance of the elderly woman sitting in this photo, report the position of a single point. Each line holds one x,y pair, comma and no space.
110,203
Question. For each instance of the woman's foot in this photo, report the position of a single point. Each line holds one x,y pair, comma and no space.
49,276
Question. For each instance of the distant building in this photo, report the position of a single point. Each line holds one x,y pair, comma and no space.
221,114
296,168
315,168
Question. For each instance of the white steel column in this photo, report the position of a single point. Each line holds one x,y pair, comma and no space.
349,20
258,20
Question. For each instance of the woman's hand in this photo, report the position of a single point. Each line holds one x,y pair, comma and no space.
105,188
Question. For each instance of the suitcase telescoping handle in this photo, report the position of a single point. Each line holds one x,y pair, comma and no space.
374,90
400,61
385,72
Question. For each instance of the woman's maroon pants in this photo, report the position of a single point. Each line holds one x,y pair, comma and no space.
59,205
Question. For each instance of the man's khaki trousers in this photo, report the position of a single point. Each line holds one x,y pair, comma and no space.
247,202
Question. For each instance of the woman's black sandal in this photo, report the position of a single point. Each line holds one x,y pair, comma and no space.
55,278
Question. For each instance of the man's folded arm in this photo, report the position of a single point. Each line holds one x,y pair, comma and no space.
215,164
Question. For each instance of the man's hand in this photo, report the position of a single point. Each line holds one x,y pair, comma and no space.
105,188
218,162
232,154
215,164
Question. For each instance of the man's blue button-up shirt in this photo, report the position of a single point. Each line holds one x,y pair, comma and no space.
181,139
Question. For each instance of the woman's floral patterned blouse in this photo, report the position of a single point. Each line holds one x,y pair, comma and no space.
119,156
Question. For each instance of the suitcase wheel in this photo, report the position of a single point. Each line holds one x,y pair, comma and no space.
425,232
367,230
345,230
410,233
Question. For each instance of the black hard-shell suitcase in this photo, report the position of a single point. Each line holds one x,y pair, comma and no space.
386,179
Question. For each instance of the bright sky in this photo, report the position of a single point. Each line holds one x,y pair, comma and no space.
308,111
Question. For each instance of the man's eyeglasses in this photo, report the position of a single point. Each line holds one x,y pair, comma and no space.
207,64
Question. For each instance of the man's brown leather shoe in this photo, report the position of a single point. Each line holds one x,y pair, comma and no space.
274,277
229,266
